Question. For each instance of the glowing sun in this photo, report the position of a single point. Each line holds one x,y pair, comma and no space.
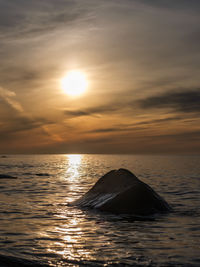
74,83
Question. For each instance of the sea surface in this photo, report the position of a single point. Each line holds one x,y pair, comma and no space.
39,228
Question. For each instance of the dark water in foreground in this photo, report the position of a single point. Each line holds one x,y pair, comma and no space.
38,228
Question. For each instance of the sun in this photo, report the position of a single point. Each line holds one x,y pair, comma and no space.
74,83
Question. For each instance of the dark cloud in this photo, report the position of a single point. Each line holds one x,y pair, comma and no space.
16,75
193,38
177,118
189,135
185,101
180,101
138,126
107,130
31,18
180,4
19,124
117,129
129,49
99,110
77,113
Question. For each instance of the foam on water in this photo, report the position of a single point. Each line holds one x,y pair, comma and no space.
38,228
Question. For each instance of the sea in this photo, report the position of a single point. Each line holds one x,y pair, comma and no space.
38,227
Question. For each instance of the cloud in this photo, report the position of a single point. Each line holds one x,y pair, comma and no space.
7,97
20,18
131,49
179,4
191,135
155,121
186,101
21,123
94,111
27,131
107,130
77,113
137,126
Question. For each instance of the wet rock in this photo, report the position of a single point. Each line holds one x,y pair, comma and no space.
121,192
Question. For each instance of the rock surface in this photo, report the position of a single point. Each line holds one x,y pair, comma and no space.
121,192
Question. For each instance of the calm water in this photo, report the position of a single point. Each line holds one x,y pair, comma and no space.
37,226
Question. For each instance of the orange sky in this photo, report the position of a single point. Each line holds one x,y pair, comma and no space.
141,59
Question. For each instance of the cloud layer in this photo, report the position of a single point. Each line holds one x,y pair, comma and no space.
187,101
142,61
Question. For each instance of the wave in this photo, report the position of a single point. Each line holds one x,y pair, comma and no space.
11,261
7,176
42,174
36,174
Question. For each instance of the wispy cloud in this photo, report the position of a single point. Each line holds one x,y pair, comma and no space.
22,19
137,54
183,4
185,101
137,126
9,98
94,111
21,121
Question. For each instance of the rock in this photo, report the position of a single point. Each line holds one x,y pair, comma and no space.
121,192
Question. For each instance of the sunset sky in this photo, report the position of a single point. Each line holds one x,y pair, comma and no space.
141,62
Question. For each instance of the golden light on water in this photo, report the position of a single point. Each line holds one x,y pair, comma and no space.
74,83
73,173
69,221
72,239
74,162
74,159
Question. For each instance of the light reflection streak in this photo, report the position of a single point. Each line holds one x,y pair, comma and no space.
72,175
72,240
74,162
66,236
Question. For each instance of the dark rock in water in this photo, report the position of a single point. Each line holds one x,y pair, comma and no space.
121,192
6,176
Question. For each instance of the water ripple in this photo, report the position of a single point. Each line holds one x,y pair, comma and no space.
38,228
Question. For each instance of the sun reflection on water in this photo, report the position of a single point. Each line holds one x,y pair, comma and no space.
71,243
73,175
74,159
67,234
74,162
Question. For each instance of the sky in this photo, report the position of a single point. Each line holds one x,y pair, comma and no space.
141,59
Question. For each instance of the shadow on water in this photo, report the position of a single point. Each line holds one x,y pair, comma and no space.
109,217
10,261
